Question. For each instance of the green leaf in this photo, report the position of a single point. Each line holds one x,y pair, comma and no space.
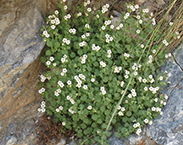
56,44
94,117
49,43
102,108
48,52
72,54
117,134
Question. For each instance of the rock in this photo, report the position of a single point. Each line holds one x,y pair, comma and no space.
160,2
20,45
62,142
168,129
139,2
12,141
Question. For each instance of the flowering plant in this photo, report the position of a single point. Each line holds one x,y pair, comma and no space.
93,62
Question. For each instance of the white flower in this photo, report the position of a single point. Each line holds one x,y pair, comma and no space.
83,36
69,16
119,107
63,123
65,7
103,27
62,73
122,83
52,22
160,78
89,107
48,62
68,42
68,98
60,84
140,79
120,113
89,9
165,42
129,95
150,122
135,73
43,109
78,85
146,120
54,64
137,31
56,94
109,51
112,26
69,82
144,80
53,26
136,6
171,23
79,14
156,100
145,88
87,34
58,90
57,110
92,80
122,108
126,76
85,87
153,109
64,70
138,131
45,32
134,94
135,126
97,16
140,21
166,97
61,108
87,25
56,12
154,51
138,124
72,101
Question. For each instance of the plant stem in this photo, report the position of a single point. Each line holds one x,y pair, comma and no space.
120,101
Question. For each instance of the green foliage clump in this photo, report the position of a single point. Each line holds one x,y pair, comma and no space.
92,60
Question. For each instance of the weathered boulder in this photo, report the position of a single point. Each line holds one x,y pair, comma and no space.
168,129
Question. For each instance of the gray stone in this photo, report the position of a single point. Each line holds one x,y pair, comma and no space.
178,54
62,142
168,129
12,141
115,141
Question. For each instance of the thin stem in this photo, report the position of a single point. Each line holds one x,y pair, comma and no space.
120,101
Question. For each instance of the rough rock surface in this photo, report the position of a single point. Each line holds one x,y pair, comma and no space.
20,40
168,129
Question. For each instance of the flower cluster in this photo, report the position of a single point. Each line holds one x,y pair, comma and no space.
83,59
60,108
103,64
108,38
97,48
64,40
109,52
105,8
117,69
103,90
42,109
72,31
93,62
